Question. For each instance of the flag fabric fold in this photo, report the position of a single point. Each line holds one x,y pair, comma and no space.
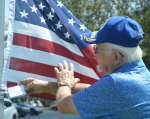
43,33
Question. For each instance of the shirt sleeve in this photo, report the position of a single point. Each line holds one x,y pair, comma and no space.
98,100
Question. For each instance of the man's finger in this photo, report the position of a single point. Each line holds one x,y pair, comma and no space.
60,66
29,92
19,83
30,86
71,67
23,81
65,65
56,70
76,80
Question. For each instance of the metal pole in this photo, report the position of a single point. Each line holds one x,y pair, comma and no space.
2,24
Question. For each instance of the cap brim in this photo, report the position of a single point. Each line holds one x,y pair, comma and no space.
90,37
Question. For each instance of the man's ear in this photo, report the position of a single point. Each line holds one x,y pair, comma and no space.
117,58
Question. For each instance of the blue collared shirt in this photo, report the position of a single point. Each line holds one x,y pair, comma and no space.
124,94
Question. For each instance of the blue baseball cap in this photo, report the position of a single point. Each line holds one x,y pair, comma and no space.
119,30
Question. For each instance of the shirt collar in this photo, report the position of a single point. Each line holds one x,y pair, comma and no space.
133,65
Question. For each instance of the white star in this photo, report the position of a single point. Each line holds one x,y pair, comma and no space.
42,20
41,6
52,10
71,21
24,0
82,27
59,25
67,35
24,14
34,9
59,4
50,16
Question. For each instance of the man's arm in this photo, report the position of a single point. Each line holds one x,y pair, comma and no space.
64,96
33,86
52,87
79,87
65,101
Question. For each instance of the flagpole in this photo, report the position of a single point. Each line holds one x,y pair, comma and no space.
2,24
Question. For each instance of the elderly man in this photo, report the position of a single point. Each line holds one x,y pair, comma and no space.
124,92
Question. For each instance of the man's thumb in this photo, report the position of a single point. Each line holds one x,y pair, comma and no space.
76,80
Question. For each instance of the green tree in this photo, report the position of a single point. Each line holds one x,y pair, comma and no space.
92,13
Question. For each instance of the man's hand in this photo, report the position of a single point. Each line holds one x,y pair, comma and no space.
65,75
33,85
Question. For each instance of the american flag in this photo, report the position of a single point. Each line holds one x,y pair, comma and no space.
43,33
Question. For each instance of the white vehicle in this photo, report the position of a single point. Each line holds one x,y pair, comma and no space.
39,104
10,112
32,103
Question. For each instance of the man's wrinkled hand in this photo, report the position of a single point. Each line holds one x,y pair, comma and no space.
33,85
66,75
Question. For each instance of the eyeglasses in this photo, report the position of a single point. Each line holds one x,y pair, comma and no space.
96,50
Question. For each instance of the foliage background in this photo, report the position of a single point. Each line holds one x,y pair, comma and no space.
93,13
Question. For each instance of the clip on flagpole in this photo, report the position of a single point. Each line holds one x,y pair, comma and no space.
3,90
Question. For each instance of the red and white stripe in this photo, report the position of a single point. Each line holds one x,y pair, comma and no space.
34,51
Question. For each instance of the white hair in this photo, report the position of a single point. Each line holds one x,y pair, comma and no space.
131,54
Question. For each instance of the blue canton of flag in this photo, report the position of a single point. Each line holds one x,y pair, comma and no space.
43,33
